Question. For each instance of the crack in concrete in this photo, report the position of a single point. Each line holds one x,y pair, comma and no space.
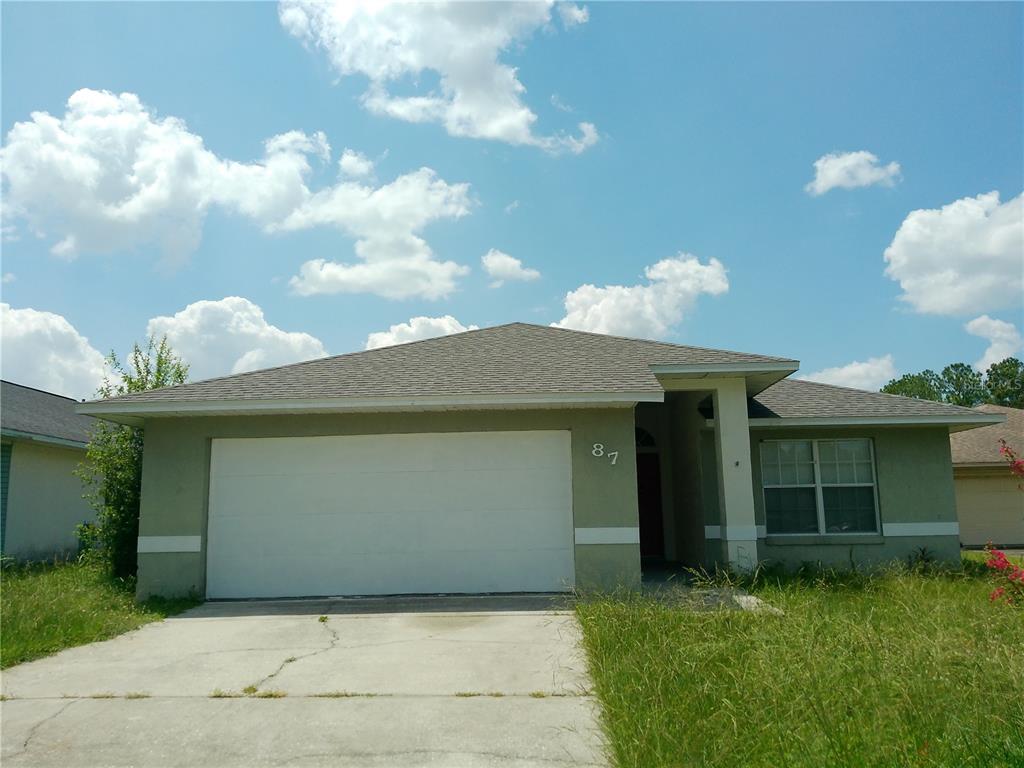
293,659
35,728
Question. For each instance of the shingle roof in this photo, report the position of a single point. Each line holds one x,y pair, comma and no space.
981,446
796,399
519,359
32,411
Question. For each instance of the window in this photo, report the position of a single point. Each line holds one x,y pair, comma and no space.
819,486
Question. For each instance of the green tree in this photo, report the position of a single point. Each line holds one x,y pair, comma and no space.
926,385
1005,383
112,470
962,385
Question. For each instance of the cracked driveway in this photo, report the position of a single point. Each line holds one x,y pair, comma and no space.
445,681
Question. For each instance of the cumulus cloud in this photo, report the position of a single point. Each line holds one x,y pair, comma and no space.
355,164
217,338
964,258
1004,340
503,267
573,15
417,328
43,350
849,170
477,95
648,310
110,176
871,374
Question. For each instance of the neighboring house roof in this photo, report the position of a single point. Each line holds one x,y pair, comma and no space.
981,446
514,359
33,413
522,364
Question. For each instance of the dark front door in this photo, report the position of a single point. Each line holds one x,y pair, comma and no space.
648,492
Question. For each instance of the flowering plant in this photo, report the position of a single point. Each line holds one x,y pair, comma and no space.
1007,576
1016,462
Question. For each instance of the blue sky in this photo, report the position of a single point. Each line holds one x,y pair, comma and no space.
707,120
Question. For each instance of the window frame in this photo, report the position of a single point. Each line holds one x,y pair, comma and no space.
819,495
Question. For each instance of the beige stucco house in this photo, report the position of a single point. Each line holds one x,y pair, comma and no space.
527,458
989,499
43,440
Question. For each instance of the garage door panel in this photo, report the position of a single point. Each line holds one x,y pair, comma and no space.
390,514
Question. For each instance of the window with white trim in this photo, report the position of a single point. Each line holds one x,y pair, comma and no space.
819,486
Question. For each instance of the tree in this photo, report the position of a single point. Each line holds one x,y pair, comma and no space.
925,385
112,470
1005,383
962,385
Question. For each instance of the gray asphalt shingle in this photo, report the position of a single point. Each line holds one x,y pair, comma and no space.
24,409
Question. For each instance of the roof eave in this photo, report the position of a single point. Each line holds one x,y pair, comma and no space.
954,423
135,412
759,376
35,437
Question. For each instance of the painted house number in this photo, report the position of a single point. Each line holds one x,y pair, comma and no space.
599,451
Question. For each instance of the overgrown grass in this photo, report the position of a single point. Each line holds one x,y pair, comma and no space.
897,669
45,608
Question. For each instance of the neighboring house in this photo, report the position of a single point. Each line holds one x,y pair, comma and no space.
989,498
527,458
43,441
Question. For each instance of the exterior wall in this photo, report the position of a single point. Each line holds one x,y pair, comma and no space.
990,505
176,461
44,501
914,480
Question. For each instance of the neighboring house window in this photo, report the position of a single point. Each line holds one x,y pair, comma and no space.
819,486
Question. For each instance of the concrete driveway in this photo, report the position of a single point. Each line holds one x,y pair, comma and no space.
400,682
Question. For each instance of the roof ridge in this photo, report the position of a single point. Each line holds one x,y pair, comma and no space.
903,398
42,391
670,344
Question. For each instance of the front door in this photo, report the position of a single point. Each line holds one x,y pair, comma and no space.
648,491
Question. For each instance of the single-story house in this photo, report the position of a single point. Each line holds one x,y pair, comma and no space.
42,442
989,498
526,458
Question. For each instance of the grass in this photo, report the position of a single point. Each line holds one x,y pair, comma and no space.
897,669
45,608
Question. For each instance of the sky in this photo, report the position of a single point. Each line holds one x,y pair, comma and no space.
263,184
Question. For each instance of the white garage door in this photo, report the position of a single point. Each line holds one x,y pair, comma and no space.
390,514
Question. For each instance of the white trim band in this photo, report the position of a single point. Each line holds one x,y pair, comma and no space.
150,544
920,529
736,532
607,535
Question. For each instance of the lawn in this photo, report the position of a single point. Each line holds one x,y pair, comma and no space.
46,608
897,669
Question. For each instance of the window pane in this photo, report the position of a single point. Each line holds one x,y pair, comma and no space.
791,510
847,450
828,474
770,474
860,450
864,472
769,452
803,451
847,473
826,451
789,475
805,474
849,510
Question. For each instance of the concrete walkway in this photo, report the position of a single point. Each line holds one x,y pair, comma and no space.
429,681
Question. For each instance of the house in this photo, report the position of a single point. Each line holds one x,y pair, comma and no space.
42,441
989,499
526,458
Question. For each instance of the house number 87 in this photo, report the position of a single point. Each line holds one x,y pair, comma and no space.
598,450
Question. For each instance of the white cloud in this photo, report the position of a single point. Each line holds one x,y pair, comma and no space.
964,258
573,15
1004,340
849,170
43,350
558,104
109,176
477,96
503,267
871,374
417,328
649,310
217,338
8,278
511,206
355,164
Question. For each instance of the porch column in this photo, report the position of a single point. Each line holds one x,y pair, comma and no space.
735,481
